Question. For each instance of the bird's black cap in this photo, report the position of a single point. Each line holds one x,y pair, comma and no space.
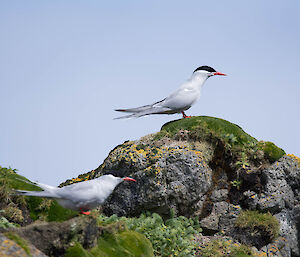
207,68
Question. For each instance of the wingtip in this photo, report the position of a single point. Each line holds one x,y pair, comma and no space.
120,110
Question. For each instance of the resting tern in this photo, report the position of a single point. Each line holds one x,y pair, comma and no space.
180,100
82,196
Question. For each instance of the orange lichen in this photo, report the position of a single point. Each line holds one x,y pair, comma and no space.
295,157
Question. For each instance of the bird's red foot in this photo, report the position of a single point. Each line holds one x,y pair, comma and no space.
185,116
85,212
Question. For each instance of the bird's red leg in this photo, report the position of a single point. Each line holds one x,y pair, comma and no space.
184,115
84,212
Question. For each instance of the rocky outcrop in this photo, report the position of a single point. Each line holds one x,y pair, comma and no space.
212,170
169,176
280,196
76,237
55,238
205,168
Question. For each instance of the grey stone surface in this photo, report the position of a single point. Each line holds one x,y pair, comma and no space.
280,195
219,195
54,238
289,220
277,193
173,177
9,248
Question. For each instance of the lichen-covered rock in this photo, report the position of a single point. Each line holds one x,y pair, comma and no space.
169,175
211,169
11,248
278,248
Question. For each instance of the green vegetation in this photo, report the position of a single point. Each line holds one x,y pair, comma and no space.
39,208
233,137
236,183
272,152
4,223
256,221
77,250
222,247
13,213
173,237
203,127
121,243
19,241
125,243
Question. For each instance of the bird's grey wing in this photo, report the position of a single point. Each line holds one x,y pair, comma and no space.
181,99
79,192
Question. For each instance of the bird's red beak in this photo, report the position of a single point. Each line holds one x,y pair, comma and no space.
129,179
219,73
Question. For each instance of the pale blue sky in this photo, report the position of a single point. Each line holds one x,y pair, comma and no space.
65,65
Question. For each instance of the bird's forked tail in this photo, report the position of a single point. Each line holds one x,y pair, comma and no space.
48,191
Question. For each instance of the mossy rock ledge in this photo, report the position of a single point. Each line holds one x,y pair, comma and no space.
208,168
203,167
180,166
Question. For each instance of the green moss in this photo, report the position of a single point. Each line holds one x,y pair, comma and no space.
204,126
272,152
161,134
76,251
10,177
233,137
255,221
126,243
19,241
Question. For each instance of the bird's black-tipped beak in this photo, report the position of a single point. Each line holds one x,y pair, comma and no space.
219,73
129,179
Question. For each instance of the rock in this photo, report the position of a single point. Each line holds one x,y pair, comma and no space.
219,195
277,193
291,167
280,195
170,175
210,224
55,238
200,167
228,216
279,248
289,220
10,248
221,218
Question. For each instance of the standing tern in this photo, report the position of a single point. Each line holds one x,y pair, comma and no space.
82,196
180,100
